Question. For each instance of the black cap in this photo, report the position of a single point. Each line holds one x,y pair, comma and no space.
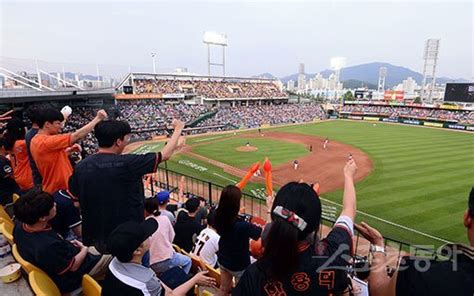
302,200
127,237
15,124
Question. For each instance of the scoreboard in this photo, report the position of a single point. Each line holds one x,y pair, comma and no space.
459,92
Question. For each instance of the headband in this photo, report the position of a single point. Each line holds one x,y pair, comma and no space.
290,217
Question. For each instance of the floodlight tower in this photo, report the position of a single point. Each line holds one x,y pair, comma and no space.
381,86
215,39
153,56
430,56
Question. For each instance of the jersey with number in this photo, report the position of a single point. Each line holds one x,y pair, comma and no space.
321,268
207,245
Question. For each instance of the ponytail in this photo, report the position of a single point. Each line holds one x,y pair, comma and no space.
280,256
152,207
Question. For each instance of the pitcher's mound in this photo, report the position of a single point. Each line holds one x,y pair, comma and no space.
246,148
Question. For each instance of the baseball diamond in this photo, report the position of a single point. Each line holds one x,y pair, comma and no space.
415,178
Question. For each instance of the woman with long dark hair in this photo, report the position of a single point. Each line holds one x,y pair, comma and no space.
233,256
295,261
16,146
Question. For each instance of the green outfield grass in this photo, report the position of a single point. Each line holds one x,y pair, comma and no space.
190,166
278,151
421,180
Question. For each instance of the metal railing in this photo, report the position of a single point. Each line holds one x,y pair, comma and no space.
171,180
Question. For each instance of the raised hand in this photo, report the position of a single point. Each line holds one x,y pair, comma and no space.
101,114
350,169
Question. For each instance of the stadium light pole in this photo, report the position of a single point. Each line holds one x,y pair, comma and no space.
153,56
215,39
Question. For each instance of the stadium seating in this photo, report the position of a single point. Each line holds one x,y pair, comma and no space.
177,249
6,228
210,89
27,266
15,197
214,273
4,215
197,264
458,116
90,287
42,284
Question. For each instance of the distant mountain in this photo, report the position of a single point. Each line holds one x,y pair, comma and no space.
353,83
72,76
265,75
369,74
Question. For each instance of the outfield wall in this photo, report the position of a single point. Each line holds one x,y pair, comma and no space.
419,122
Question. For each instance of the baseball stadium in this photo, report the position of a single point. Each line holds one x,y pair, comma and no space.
128,169
412,163
411,181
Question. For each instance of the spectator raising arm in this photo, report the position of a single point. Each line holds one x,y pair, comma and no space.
379,282
86,129
349,200
175,140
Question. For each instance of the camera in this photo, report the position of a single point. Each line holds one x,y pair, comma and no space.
360,267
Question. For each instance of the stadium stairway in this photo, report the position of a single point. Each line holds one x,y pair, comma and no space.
201,118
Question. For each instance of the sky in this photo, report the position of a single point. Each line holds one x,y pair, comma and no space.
263,36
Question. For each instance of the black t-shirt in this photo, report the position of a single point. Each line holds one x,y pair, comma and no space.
201,215
112,286
233,251
321,270
53,254
415,278
110,192
67,215
8,185
185,228
37,179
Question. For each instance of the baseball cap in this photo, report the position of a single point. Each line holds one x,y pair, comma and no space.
127,237
299,205
163,197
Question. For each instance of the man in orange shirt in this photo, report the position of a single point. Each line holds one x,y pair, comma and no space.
16,146
50,149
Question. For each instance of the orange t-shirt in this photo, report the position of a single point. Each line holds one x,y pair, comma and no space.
52,160
21,166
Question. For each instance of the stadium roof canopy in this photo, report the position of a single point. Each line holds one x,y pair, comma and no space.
8,96
188,76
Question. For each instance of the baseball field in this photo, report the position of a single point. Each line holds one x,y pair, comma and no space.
412,184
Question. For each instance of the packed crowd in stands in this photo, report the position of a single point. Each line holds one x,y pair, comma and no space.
88,219
458,116
209,89
78,118
255,116
149,118
155,114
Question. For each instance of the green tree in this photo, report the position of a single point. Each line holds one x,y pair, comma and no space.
417,100
348,96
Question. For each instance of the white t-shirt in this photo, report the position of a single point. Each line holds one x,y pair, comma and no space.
206,246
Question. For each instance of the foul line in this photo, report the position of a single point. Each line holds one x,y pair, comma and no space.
392,223
208,139
224,177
